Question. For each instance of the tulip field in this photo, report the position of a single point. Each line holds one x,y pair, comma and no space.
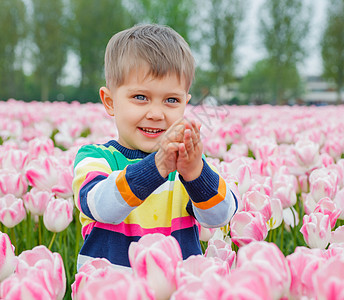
285,164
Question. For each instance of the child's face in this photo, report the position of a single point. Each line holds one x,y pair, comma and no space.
144,107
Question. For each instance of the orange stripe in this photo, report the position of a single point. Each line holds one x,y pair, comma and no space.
214,200
125,190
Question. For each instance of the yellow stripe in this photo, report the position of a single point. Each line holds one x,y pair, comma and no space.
216,199
125,190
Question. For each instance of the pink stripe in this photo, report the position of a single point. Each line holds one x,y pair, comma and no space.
87,229
89,177
137,230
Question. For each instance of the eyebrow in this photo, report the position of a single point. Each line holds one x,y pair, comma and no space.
143,91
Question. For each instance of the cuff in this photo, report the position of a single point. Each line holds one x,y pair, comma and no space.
143,177
204,187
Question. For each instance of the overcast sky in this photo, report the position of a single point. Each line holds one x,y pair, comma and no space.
250,49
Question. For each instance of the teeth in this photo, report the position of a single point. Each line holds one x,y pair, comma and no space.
151,130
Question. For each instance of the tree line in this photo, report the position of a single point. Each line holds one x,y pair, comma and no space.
38,36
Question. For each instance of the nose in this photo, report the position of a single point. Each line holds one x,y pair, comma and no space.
155,112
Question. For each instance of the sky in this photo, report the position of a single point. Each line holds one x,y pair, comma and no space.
250,50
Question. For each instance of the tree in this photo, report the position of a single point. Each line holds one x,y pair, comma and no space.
50,43
256,84
94,24
332,45
13,30
224,18
284,25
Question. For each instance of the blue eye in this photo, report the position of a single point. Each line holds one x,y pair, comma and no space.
140,97
172,100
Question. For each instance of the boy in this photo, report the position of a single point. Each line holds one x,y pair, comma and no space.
153,178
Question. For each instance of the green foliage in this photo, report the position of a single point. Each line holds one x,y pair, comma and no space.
50,40
94,23
13,30
284,24
259,84
332,45
224,22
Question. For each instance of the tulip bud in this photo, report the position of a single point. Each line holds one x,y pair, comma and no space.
12,211
316,230
247,227
58,215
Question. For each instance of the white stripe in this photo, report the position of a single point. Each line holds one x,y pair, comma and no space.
166,186
89,160
91,203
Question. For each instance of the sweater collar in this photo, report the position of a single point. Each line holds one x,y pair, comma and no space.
128,153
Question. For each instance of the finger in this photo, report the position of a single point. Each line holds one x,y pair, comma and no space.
188,140
175,134
182,153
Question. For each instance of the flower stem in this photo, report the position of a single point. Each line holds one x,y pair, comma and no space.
282,230
40,230
13,240
52,241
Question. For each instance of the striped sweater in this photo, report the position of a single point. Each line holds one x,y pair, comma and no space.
122,196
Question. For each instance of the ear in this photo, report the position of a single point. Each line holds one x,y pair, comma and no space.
107,100
188,98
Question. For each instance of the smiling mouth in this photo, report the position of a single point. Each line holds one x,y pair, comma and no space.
151,130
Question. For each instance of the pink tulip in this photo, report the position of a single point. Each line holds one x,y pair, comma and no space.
256,201
309,204
154,257
337,236
303,183
276,213
247,283
40,274
36,201
221,249
114,285
63,188
43,260
267,258
15,159
25,288
7,257
328,207
12,210
192,290
302,264
241,170
316,230
199,268
42,173
307,154
215,146
323,183
329,279
262,184
40,147
12,182
287,195
205,233
333,147
91,269
290,217
265,148
58,215
339,201
247,227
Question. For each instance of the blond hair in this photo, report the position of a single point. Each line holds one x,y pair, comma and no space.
159,47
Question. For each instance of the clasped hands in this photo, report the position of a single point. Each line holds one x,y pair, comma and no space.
181,149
